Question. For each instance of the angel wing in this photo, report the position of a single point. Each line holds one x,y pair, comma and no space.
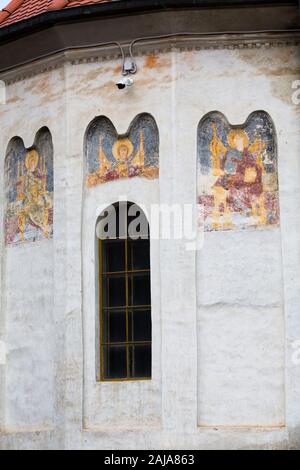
104,163
139,158
262,135
260,129
217,150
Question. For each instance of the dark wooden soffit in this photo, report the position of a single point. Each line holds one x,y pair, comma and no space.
126,20
127,7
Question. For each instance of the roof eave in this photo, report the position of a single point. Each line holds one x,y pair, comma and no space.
124,7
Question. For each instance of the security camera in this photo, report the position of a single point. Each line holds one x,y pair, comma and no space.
125,82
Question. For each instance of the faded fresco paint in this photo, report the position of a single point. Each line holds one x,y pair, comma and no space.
29,190
237,172
111,157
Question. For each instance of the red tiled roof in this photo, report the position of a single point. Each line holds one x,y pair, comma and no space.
18,10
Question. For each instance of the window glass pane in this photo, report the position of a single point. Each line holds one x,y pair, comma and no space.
140,361
139,289
114,291
139,325
121,323
113,256
114,326
114,362
138,255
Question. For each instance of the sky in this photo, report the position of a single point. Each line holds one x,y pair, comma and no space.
3,3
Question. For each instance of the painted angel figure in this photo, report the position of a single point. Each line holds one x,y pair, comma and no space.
124,162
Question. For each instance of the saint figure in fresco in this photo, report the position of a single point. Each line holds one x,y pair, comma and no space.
33,199
239,171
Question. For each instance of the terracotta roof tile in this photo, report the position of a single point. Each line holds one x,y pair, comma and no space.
18,10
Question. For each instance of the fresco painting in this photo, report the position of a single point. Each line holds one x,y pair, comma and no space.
29,190
111,157
237,173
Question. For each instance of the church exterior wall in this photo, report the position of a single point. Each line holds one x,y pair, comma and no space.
225,318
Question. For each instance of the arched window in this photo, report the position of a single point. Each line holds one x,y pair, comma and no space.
125,293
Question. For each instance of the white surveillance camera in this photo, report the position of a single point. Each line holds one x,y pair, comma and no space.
125,82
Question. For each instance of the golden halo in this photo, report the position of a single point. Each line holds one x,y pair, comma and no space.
32,155
122,143
234,133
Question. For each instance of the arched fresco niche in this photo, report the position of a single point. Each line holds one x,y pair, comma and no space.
111,156
29,189
237,172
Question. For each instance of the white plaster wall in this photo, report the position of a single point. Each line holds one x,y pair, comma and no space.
228,264
107,405
29,335
121,404
241,329
240,283
240,333
2,310
29,325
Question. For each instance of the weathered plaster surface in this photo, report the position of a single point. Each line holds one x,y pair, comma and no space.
224,319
